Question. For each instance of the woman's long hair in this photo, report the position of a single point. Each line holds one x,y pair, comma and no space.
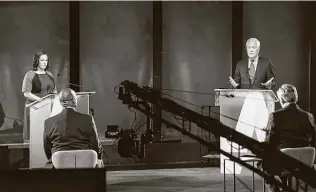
36,58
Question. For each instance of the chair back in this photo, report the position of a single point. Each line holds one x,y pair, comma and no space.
304,154
74,159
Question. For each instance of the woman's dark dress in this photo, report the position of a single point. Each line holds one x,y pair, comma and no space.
40,85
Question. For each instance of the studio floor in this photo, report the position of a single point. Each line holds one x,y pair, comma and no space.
182,180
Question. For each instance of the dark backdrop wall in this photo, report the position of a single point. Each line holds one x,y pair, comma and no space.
115,45
281,29
197,40
26,28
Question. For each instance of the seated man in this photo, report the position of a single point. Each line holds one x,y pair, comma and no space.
290,126
70,130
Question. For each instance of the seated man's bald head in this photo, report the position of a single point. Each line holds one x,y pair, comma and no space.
67,97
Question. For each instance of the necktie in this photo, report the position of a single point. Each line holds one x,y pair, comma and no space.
252,71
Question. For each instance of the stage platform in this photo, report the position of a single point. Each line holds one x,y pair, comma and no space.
26,144
180,180
170,177
16,155
159,155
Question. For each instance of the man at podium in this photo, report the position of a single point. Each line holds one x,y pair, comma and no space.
247,110
70,130
255,72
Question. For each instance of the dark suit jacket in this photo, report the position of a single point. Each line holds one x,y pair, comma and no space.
263,73
291,127
70,130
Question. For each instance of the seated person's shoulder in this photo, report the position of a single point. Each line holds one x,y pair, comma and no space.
50,119
279,111
48,123
307,114
85,117
310,115
304,112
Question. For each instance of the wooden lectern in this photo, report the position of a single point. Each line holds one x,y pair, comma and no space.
41,110
246,111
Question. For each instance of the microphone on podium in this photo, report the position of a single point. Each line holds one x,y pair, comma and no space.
75,87
81,88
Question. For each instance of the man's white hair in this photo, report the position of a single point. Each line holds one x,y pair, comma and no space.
253,39
288,93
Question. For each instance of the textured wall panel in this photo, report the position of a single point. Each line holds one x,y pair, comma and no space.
26,28
115,45
196,51
280,27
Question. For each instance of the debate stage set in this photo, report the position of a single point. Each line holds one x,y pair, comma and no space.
155,77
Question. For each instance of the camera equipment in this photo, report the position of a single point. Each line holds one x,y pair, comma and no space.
112,131
126,143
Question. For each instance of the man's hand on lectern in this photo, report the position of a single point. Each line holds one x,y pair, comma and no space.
269,83
233,82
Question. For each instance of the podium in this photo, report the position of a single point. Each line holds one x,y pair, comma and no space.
41,110
246,111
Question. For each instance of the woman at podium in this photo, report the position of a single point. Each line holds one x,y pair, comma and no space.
37,83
